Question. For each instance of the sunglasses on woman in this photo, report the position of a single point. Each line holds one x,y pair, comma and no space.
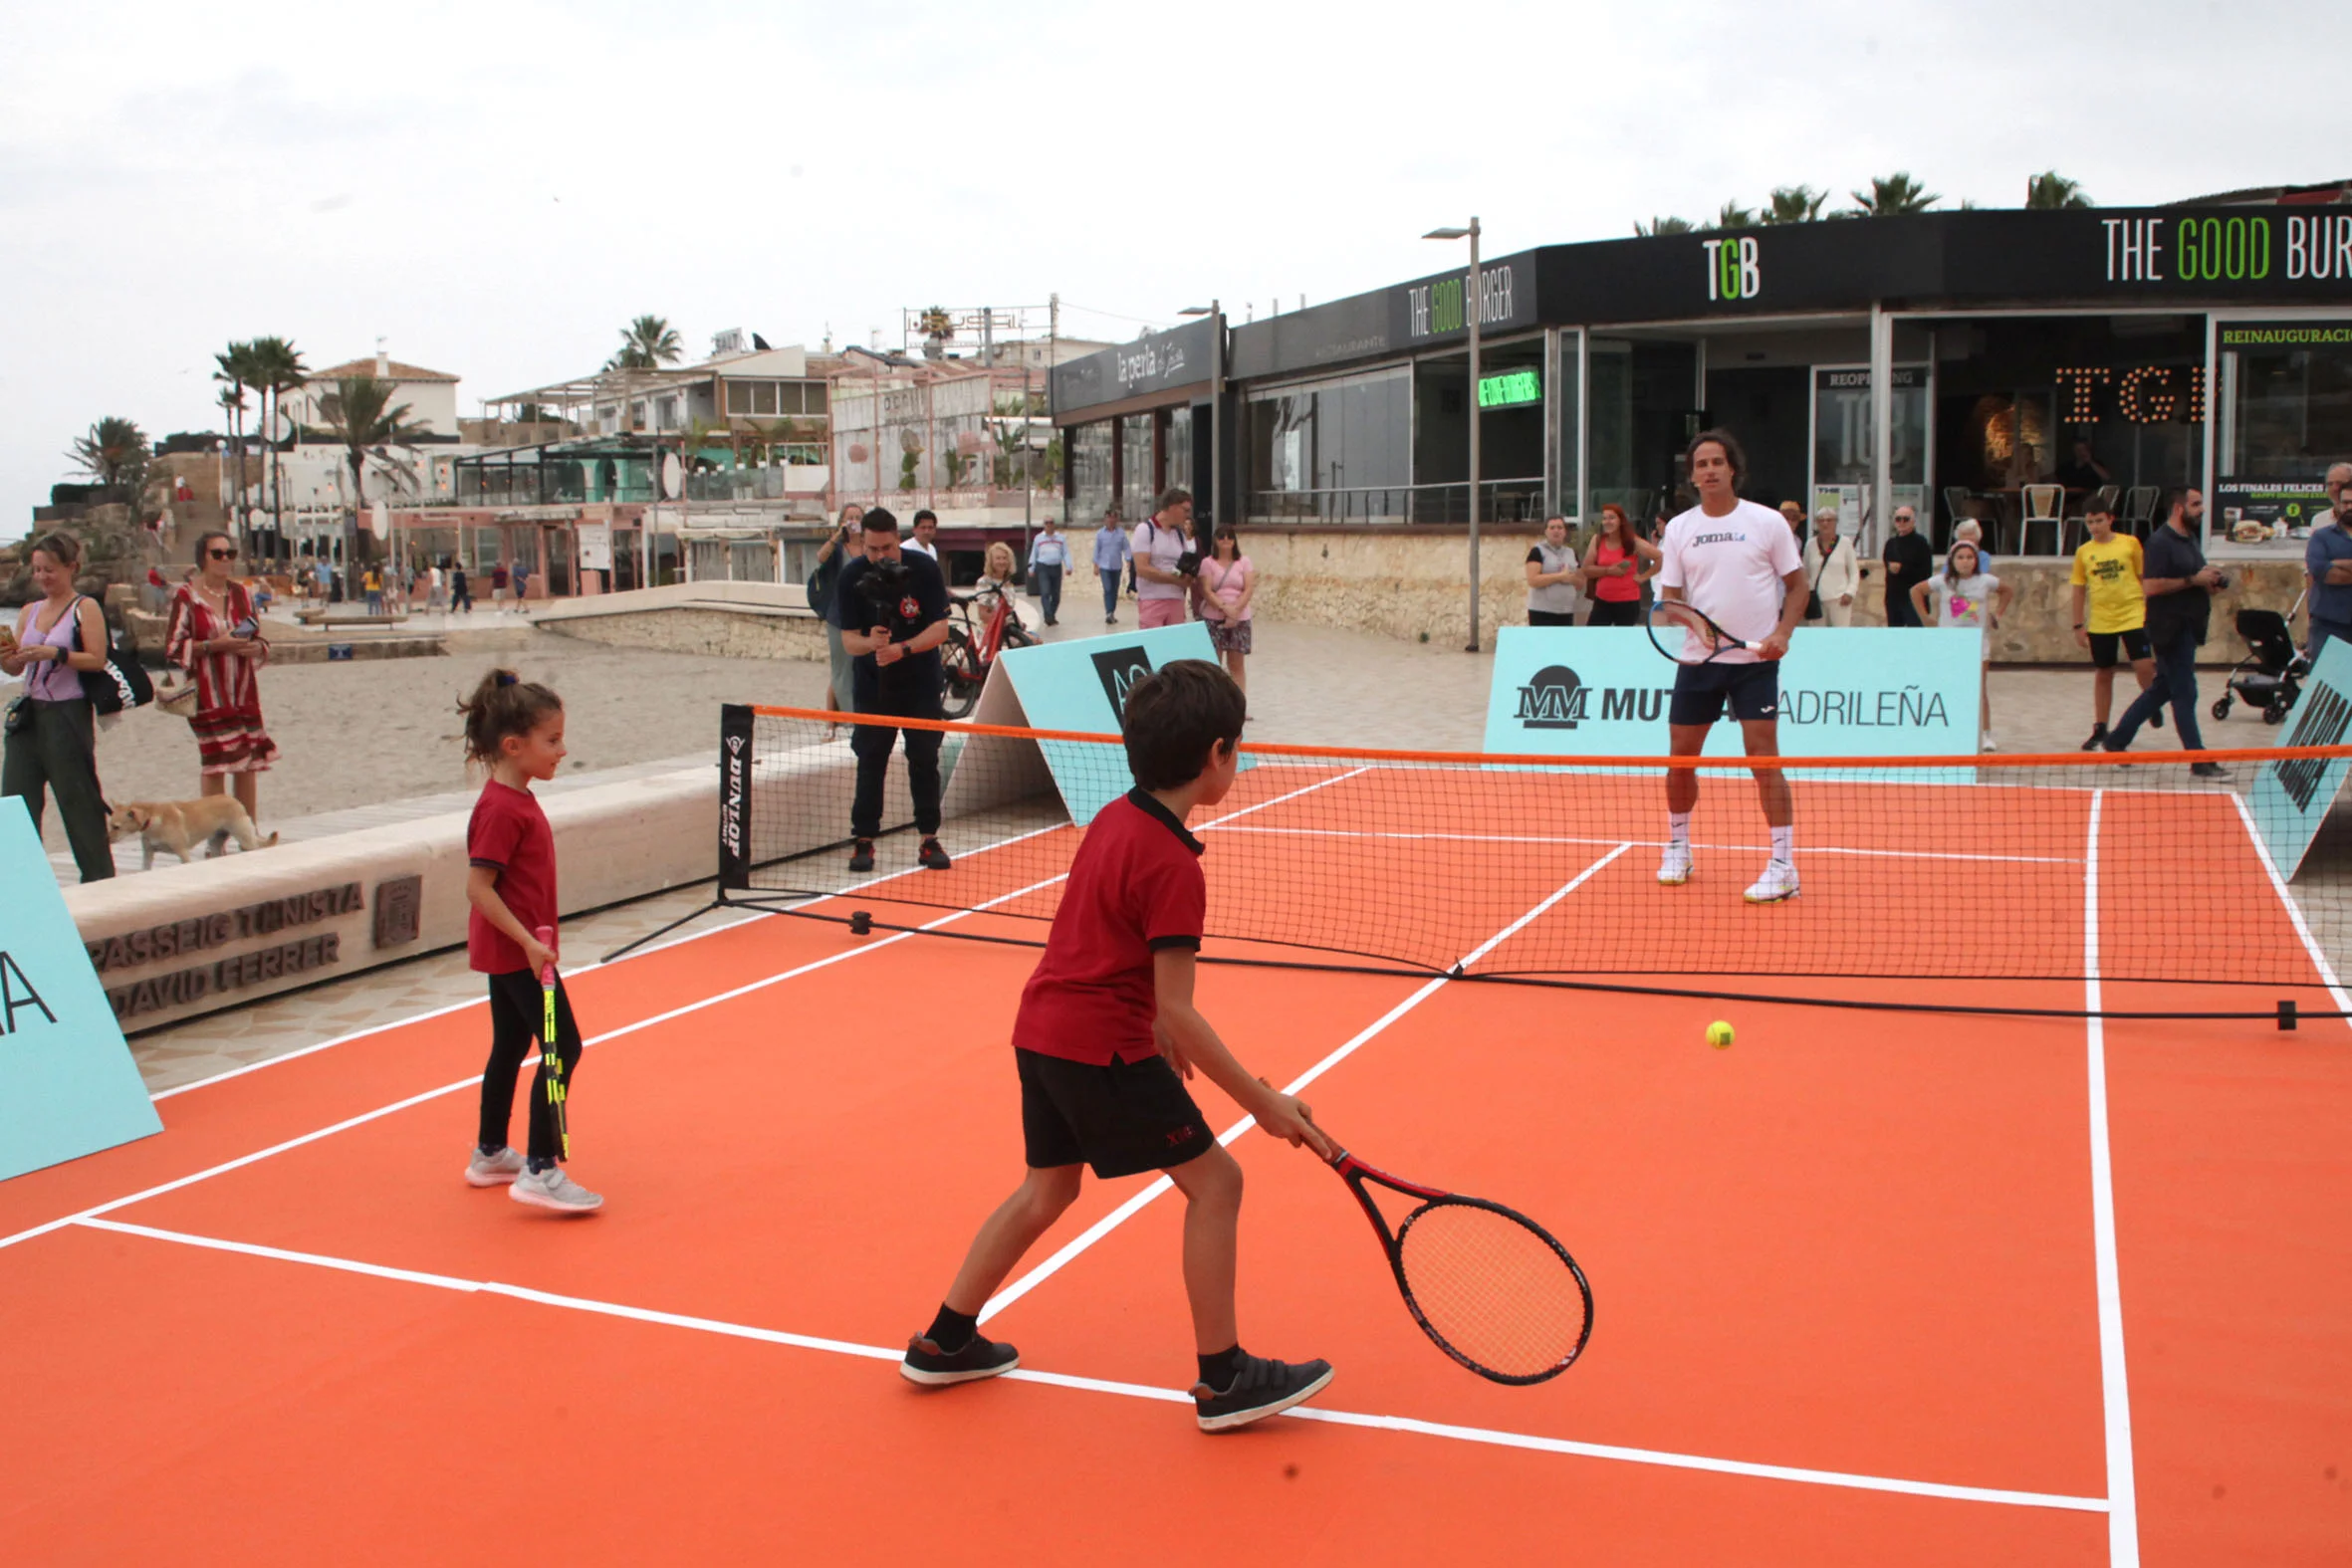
217,554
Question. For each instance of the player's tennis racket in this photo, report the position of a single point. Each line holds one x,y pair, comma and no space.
551,1058
1687,636
1487,1285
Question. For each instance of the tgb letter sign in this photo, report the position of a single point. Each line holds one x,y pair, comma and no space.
1732,271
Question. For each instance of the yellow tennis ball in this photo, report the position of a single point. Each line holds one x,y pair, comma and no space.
1718,1034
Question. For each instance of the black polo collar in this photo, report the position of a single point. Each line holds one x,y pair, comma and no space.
1150,804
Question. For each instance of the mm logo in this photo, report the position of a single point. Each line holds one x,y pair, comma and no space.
1732,270
1553,700
1120,669
2324,721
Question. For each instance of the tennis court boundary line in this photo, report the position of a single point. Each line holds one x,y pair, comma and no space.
1655,843
2294,911
474,1080
840,1347
2115,1393
1079,1243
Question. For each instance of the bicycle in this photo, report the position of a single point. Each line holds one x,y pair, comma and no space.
972,647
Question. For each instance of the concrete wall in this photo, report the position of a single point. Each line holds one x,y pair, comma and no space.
1413,584
734,620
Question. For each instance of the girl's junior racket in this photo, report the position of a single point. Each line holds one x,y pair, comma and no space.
1683,633
551,1059
1487,1285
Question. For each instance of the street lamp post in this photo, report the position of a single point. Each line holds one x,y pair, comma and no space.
1211,515
1473,302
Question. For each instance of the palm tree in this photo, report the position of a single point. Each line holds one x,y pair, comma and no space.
2051,192
115,454
239,374
278,370
1734,216
362,415
1894,195
1796,204
1658,226
646,344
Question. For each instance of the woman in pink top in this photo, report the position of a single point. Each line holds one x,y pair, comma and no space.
1228,582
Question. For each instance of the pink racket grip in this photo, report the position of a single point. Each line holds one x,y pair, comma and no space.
547,939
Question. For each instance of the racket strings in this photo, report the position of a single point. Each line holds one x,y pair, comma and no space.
1492,1288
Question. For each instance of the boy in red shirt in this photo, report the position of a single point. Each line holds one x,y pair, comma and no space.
1107,1022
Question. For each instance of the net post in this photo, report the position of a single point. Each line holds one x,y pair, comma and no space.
2286,1013
735,799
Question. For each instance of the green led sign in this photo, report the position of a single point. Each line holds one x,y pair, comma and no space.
1509,390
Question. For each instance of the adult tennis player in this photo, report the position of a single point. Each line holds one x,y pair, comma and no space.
1737,563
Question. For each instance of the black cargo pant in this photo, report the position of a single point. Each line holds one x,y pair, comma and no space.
57,750
873,745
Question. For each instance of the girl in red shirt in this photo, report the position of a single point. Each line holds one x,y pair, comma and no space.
515,729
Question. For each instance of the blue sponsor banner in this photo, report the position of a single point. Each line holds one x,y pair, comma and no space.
1081,684
2291,798
1854,690
67,1085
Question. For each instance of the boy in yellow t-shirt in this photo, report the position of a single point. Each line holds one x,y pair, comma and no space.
2107,573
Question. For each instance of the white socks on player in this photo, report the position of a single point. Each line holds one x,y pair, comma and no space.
1784,845
1678,826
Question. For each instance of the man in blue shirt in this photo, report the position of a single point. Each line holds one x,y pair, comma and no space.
2178,585
2328,562
1112,551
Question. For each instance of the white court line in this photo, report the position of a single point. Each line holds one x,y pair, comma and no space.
1336,1418
396,1106
2294,911
2123,1520
750,915
1127,1211
1655,843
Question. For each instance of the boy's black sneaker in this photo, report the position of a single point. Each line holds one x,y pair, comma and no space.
1262,1388
934,1368
2098,740
932,856
861,856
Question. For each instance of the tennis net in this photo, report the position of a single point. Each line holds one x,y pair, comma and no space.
1951,870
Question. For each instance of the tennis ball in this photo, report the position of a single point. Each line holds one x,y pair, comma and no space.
1718,1034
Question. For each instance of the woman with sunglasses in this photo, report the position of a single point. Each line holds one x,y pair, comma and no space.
214,636
52,733
1228,582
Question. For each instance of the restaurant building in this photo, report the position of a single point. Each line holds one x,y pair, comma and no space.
1949,361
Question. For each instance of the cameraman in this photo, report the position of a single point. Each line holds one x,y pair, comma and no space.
891,606
2180,588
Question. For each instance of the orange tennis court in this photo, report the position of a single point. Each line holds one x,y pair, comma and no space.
1870,1286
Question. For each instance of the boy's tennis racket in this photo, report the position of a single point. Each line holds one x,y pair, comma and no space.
1486,1283
1687,636
551,1059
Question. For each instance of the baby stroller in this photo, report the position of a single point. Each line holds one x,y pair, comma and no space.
2269,677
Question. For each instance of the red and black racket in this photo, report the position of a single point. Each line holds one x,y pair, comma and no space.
1489,1285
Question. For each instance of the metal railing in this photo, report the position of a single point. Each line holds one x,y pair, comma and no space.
1508,500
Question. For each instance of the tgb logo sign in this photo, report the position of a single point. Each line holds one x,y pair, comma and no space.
1555,698
1732,270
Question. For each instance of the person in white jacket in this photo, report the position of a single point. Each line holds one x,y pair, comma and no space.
1832,570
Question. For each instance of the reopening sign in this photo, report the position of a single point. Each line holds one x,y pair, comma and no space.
67,1085
1845,691
2291,798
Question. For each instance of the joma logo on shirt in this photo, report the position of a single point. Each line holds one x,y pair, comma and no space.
1717,538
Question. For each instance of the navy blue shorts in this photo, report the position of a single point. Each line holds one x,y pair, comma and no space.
1700,690
1125,1118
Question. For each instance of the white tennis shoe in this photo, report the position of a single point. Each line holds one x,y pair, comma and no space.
494,1170
1674,867
551,1189
1777,883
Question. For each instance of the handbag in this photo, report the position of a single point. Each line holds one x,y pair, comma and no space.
122,683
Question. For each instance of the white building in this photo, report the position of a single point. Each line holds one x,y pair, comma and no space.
431,395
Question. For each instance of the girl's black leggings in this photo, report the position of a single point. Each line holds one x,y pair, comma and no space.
515,1018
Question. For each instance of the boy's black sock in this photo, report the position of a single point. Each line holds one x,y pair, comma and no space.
1218,1370
951,1330
539,1165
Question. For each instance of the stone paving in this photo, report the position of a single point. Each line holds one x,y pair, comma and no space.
634,711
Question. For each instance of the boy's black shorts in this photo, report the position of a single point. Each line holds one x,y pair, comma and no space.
1120,1119
1700,691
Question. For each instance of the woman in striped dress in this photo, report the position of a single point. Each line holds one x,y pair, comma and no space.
215,638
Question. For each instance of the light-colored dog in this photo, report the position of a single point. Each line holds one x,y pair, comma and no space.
181,826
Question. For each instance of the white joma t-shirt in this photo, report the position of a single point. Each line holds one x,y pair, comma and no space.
1730,569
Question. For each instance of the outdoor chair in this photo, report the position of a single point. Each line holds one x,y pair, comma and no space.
2139,511
2042,520
1961,504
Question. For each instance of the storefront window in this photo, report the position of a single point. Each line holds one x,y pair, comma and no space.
1138,488
1333,451
1177,438
1090,471
2286,412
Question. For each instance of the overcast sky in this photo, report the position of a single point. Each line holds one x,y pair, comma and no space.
494,188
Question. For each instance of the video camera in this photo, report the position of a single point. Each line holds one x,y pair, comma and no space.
885,584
